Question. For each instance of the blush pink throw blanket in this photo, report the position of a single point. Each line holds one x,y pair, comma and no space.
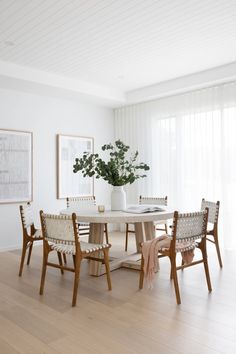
150,251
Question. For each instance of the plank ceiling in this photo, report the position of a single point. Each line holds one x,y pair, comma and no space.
125,44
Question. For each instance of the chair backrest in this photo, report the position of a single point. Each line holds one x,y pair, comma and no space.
26,214
153,200
213,210
61,229
81,202
189,226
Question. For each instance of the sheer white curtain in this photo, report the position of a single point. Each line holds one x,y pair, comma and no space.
190,143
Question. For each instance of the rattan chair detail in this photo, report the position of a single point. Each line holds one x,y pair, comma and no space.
186,230
213,220
30,234
61,234
81,203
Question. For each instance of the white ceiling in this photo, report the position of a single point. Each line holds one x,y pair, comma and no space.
120,44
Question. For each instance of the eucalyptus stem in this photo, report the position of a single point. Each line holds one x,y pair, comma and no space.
117,171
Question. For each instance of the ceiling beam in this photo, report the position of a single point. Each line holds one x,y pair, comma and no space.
211,77
18,77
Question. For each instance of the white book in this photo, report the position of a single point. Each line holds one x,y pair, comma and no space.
143,208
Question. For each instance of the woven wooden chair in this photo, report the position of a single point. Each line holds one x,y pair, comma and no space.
186,230
82,203
162,225
213,220
61,234
30,233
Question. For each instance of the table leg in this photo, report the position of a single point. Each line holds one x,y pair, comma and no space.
139,235
143,231
96,236
149,230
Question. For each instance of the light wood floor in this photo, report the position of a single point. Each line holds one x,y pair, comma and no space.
122,321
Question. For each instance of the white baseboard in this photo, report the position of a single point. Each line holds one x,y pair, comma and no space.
15,247
10,248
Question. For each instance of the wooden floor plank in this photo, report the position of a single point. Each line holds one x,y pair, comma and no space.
125,320
6,348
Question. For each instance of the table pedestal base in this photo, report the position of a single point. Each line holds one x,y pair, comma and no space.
132,261
143,231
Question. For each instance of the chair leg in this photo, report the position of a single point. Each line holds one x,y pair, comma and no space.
24,248
74,260
166,229
175,278
126,237
218,249
64,258
44,268
60,261
202,247
208,279
107,265
76,280
106,233
171,274
141,277
29,254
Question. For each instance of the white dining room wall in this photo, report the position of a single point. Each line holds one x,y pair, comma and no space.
47,116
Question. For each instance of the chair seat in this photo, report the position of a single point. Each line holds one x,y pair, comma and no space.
85,247
183,246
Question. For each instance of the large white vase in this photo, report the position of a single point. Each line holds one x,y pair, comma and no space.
118,198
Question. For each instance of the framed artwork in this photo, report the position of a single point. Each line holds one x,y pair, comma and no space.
16,166
70,184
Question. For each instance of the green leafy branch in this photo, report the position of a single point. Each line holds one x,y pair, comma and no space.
117,171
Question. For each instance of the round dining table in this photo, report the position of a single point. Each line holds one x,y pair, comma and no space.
143,227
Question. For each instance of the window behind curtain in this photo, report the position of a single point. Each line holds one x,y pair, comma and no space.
194,157
189,140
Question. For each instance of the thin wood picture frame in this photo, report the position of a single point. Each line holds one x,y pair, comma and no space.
16,166
70,184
